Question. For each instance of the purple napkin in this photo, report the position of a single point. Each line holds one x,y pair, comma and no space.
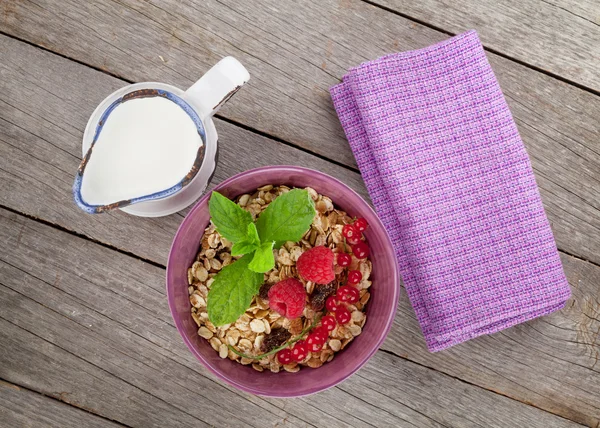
450,178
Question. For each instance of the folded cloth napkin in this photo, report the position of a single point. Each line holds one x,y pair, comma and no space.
450,178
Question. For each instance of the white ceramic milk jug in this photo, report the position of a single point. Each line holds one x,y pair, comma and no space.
150,148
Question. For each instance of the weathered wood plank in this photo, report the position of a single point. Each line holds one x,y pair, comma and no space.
49,198
551,362
561,37
294,57
20,408
42,117
85,307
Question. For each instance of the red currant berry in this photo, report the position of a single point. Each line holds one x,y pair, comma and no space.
313,339
284,356
348,294
299,351
361,224
331,304
314,343
321,335
361,250
353,241
342,315
354,277
328,323
350,232
344,259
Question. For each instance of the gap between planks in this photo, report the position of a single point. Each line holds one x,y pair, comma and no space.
486,48
217,115
58,400
158,265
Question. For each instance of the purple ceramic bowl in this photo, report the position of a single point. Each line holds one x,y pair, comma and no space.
381,308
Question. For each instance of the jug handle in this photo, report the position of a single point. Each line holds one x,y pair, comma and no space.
217,86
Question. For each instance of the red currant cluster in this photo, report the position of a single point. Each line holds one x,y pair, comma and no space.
348,293
336,305
313,343
353,234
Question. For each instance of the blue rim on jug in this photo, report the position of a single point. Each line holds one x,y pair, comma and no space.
142,93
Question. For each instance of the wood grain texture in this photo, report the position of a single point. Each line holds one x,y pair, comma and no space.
42,153
295,52
73,306
22,408
561,37
551,362
42,117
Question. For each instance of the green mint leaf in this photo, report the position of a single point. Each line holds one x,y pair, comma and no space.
252,234
230,219
287,218
263,260
251,243
232,291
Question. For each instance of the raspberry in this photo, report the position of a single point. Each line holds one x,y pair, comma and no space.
361,224
287,297
344,259
316,265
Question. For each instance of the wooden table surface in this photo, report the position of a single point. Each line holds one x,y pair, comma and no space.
86,338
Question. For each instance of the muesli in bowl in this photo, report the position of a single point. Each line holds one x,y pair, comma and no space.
281,280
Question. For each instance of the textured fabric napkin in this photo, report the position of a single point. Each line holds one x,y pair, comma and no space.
450,178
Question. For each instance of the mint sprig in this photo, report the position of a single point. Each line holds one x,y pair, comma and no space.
287,218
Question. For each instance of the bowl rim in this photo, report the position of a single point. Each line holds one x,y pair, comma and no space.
250,389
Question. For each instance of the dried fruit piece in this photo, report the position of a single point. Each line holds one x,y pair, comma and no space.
277,337
320,295
263,293
288,297
316,265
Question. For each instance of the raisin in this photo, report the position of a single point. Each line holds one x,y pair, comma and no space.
277,337
320,294
263,293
